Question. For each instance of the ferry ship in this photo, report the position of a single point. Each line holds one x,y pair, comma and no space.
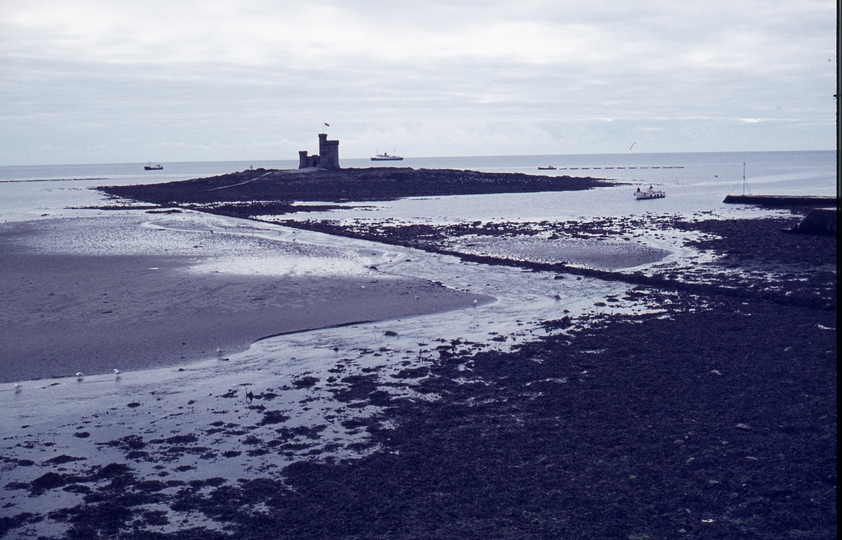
386,157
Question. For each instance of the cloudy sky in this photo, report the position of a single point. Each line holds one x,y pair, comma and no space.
87,81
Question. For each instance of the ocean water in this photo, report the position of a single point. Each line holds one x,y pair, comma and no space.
693,182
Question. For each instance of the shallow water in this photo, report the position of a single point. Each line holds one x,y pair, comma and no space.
603,254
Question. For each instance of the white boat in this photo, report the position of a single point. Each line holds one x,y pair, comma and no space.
386,157
649,194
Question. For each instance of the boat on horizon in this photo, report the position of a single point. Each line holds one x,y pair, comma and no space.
550,168
386,157
649,194
155,167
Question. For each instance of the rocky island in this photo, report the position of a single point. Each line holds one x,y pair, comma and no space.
260,191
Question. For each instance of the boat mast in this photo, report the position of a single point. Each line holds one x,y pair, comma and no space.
744,179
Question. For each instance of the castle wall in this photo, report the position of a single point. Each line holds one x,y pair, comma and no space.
305,161
329,152
327,158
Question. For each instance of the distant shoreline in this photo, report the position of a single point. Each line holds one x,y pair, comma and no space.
421,160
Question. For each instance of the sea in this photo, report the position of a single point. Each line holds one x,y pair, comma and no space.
693,182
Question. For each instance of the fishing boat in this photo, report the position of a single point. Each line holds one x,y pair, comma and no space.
649,194
386,157
550,168
155,167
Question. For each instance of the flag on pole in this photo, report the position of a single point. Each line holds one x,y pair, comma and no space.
327,125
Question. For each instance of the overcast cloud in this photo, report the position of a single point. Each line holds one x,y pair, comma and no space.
128,81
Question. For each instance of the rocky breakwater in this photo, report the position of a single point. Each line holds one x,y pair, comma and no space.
821,211
818,221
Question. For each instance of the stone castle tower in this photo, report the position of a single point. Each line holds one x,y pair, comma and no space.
327,158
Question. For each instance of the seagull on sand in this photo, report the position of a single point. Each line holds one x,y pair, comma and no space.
80,376
117,373
18,387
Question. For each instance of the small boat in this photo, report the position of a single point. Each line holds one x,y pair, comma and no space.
550,168
386,157
156,167
649,194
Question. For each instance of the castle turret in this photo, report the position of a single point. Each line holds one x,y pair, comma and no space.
305,161
328,152
327,158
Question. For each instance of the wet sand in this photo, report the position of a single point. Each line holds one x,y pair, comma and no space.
64,314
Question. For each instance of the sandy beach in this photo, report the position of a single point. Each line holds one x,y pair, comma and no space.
78,312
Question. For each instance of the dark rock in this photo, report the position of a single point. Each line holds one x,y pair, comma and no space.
305,382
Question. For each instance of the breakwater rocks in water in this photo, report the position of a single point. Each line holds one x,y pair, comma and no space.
818,221
259,191
821,211
780,201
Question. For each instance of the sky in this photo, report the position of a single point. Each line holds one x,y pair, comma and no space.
88,81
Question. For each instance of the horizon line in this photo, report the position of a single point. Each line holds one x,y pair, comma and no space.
295,160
